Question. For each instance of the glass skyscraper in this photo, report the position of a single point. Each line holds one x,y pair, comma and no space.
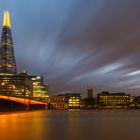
7,58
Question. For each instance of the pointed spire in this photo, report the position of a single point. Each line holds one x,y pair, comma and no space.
7,58
6,20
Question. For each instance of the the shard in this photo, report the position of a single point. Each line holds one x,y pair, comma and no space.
7,58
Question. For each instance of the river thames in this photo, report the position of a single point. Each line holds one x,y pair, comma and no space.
71,125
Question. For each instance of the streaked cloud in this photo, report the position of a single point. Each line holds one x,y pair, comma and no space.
74,43
134,73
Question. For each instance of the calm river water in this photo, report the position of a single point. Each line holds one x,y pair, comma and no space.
71,125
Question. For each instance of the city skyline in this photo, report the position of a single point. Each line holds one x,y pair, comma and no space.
74,44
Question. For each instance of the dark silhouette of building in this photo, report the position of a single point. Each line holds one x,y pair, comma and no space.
7,58
89,92
137,102
89,101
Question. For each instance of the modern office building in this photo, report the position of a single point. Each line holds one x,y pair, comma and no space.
16,85
113,100
40,89
73,100
7,58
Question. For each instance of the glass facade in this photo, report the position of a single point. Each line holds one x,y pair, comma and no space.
73,100
113,100
7,58
16,86
39,88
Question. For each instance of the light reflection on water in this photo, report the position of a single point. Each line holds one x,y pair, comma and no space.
71,125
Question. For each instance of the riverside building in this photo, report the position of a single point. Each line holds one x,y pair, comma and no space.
65,101
106,100
58,102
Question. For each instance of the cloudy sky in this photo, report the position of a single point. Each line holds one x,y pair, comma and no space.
75,43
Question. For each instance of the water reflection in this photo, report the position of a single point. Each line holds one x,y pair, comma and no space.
71,125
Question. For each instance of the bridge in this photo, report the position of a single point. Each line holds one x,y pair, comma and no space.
20,103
